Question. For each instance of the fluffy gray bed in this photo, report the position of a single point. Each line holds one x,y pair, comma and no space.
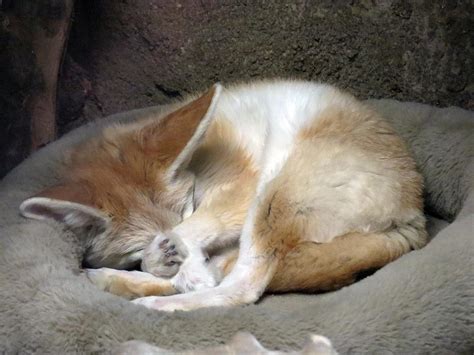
421,303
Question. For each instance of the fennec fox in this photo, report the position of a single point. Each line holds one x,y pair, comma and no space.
313,186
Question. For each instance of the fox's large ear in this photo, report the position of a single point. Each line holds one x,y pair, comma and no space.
70,204
177,135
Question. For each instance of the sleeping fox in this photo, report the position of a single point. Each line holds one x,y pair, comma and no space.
268,186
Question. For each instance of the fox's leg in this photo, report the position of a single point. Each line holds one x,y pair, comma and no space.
130,284
281,260
307,267
134,284
199,236
215,225
218,220
273,226
272,229
313,267
318,194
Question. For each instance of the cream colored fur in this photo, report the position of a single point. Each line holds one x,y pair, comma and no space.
344,179
284,168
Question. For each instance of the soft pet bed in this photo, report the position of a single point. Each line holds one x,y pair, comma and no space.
421,303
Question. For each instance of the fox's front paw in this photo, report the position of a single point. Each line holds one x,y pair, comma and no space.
195,274
122,283
107,279
158,303
167,304
164,256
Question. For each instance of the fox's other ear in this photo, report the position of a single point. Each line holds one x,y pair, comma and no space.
177,135
70,204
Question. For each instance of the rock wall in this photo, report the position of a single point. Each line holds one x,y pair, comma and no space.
134,53
129,54
32,40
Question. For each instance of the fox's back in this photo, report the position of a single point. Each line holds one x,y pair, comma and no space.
262,122
263,111
282,167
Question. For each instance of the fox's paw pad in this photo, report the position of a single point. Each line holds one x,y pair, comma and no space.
164,256
170,253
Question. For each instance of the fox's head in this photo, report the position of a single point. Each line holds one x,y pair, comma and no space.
121,189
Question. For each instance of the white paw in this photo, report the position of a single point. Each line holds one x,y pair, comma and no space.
164,304
194,275
145,301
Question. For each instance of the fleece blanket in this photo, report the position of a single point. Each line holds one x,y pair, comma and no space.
421,303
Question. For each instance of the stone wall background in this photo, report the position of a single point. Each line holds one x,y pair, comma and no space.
130,54
125,54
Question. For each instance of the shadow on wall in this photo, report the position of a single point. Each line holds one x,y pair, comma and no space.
33,34
128,54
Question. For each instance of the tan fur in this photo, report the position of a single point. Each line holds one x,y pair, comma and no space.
132,284
313,267
228,178
133,288
306,266
286,219
364,130
124,173
121,173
